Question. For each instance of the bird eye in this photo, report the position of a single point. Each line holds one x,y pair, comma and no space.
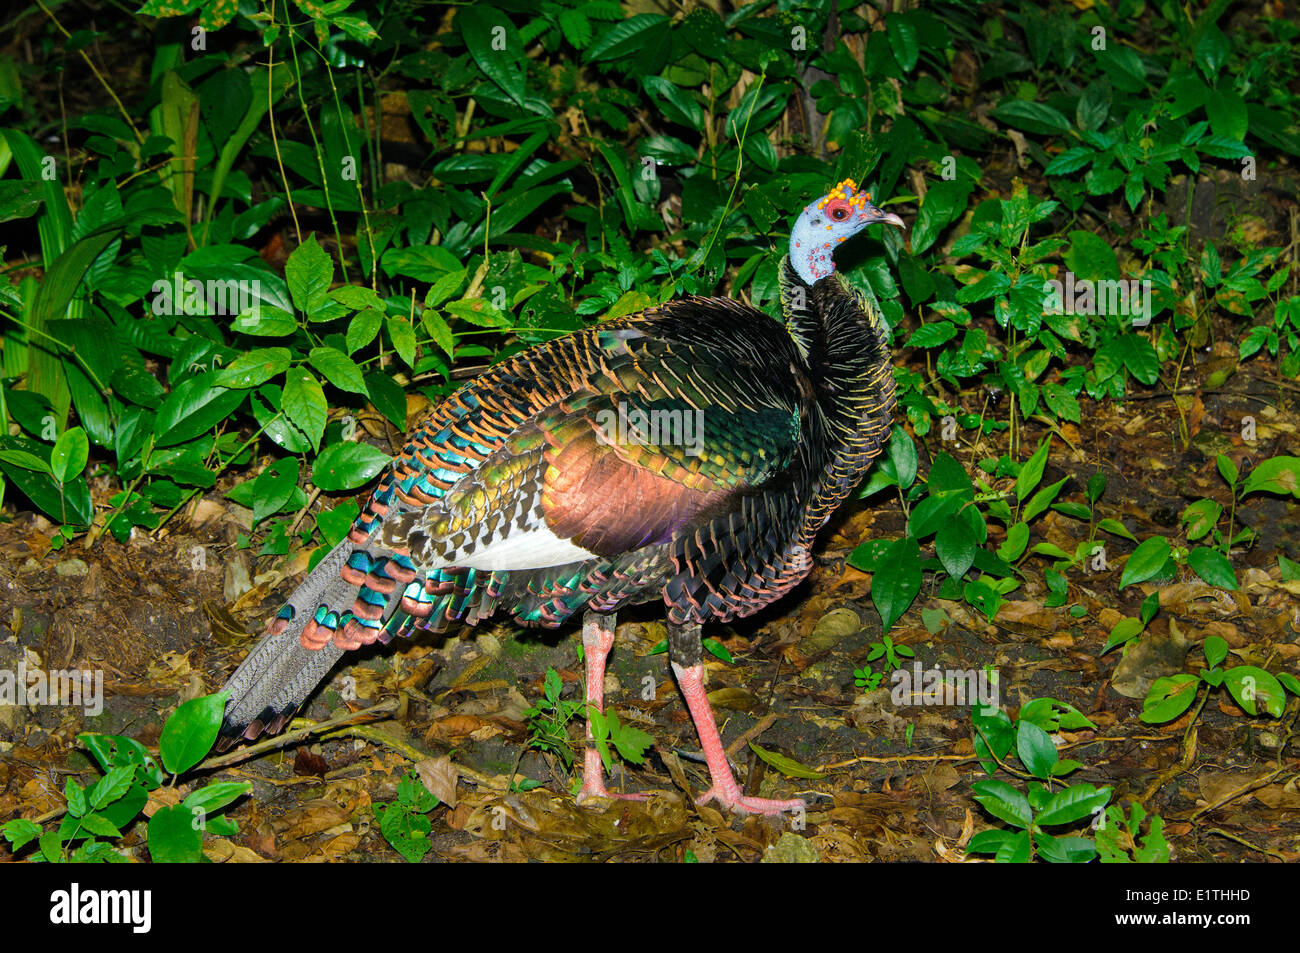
839,213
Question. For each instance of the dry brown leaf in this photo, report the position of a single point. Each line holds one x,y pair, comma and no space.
439,776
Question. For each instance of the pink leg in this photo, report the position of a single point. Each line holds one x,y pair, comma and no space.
725,789
597,640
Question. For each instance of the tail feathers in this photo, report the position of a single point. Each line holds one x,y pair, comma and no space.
280,672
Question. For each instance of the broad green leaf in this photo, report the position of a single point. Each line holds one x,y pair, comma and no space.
1072,804
1032,472
194,407
1035,748
309,272
1031,117
346,466
1168,698
1213,567
1147,561
304,403
339,369
70,454
402,335
1123,630
1255,690
897,580
214,797
1275,475
255,367
190,732
1003,802
173,837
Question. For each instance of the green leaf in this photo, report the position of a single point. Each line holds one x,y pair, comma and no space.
1003,802
115,783
1014,546
787,766
1255,689
214,797
100,825
1146,562
402,334
643,32
304,403
1031,117
1040,500
479,312
1216,650
339,369
983,597
1091,257
173,836
189,733
1200,517
934,334
897,580
631,742
309,272
70,454
1032,472
255,367
346,466
903,42
955,547
1036,750
1213,567
406,830
989,842
1065,850
274,487
194,407
25,460
1123,631
75,795
1072,804
1168,698
388,397
1115,526
496,47
1212,51
438,330
1015,850
20,832
718,650
1276,475
1227,470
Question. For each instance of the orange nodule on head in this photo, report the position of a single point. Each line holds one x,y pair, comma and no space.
846,191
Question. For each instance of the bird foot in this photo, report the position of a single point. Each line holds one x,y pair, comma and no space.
592,790
733,800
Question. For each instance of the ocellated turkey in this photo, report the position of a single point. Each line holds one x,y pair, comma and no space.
516,494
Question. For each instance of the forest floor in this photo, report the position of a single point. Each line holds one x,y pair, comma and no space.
170,617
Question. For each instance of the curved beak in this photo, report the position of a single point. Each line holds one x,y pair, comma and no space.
880,216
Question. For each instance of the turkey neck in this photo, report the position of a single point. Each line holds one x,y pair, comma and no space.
842,339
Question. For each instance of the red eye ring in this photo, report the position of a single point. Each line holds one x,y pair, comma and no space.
839,212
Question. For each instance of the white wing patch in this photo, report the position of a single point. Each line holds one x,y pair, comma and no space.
533,548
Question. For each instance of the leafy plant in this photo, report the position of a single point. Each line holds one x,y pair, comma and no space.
113,803
1032,811
1255,690
548,723
405,822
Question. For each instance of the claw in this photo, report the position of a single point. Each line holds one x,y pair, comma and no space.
735,801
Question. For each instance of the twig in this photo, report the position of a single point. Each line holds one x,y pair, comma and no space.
761,726
1245,843
308,729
